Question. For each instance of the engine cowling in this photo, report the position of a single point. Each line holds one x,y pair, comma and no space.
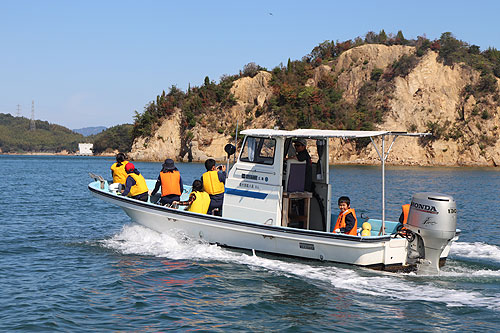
433,218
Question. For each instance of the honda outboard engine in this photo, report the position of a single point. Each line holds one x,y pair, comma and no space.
433,219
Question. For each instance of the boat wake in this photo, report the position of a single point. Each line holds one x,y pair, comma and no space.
476,250
136,239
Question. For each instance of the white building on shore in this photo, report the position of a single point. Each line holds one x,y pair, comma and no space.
85,149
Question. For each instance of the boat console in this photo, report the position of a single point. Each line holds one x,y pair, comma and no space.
266,185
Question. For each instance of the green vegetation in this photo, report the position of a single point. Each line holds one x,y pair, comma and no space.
401,67
114,138
16,137
194,104
376,74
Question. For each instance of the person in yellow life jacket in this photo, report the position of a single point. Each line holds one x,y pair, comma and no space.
135,185
346,221
199,200
213,183
118,169
403,218
170,181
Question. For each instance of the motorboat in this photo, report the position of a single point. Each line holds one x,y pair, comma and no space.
266,208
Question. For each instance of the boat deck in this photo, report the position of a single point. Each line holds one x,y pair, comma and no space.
390,226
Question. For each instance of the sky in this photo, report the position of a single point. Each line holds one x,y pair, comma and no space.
94,63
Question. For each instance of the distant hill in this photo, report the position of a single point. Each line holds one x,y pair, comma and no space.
86,131
16,136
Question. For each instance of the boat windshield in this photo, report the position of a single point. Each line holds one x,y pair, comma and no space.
258,150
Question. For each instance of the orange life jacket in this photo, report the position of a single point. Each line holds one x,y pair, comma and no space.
170,183
406,210
341,222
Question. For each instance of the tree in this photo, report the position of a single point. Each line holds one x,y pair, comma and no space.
452,50
371,37
325,50
382,37
251,69
400,39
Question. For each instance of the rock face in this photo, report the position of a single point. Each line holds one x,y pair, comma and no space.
252,91
430,94
354,66
166,141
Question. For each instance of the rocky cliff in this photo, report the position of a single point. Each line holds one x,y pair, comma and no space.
431,97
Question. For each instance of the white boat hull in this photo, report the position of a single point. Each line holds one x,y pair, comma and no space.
382,252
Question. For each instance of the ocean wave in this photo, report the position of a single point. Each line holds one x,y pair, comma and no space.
135,239
469,273
476,250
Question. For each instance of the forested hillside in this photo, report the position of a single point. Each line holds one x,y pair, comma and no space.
16,136
116,138
445,86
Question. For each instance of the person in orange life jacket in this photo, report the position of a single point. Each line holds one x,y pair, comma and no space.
303,155
213,183
199,200
118,169
135,185
346,221
171,183
403,218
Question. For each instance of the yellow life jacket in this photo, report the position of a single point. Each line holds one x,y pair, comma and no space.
341,222
200,205
170,183
140,185
119,173
211,183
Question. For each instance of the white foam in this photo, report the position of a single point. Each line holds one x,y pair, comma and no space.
476,250
468,273
140,240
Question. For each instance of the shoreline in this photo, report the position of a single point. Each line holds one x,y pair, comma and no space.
56,154
341,163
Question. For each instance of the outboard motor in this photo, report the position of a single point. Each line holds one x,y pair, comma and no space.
433,219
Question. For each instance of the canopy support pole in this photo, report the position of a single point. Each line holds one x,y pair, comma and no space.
382,228
383,156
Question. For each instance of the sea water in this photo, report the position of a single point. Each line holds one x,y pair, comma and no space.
71,262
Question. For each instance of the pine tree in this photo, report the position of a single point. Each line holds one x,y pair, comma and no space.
382,37
400,39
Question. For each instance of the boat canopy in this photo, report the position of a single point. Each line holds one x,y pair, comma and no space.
317,133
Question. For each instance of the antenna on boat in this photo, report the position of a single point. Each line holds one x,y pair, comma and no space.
236,140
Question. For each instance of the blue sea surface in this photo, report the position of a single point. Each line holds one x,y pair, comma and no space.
71,262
